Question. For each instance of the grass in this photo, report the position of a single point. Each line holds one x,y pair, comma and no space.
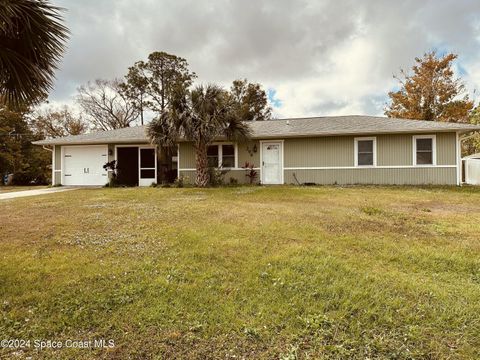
252,272
10,188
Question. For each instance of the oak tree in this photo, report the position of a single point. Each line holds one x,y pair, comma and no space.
106,106
18,156
431,92
52,123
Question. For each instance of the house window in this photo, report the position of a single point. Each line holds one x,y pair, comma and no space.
365,151
221,155
212,155
424,150
228,156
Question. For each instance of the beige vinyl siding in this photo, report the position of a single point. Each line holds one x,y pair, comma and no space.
446,149
400,176
58,157
111,152
337,152
57,175
187,156
379,176
58,178
394,150
318,152
246,154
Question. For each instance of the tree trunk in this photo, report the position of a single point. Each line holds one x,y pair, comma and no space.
201,163
141,108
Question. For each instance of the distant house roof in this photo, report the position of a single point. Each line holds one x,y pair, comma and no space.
283,128
473,156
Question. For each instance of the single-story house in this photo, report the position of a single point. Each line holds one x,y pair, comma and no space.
316,150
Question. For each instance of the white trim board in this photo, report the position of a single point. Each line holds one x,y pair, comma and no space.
368,167
53,164
458,146
178,161
226,169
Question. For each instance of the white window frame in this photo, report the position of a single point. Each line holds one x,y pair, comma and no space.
372,138
434,149
140,168
220,154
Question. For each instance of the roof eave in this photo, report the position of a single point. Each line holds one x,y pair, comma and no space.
92,142
257,137
357,133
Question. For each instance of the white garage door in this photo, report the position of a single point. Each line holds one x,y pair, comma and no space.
83,165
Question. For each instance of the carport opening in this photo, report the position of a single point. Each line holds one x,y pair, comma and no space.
127,166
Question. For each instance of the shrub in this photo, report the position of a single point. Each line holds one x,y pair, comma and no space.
112,166
216,176
180,181
29,178
250,172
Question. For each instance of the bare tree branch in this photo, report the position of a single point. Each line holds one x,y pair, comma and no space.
106,106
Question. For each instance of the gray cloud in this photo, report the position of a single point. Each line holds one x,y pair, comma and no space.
322,57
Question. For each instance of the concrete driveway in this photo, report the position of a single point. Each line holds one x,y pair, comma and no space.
17,194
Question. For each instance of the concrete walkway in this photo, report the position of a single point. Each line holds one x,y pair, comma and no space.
17,194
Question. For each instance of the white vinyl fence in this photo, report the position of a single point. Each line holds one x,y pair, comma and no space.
472,171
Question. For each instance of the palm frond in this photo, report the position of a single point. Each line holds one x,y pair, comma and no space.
163,131
32,41
237,130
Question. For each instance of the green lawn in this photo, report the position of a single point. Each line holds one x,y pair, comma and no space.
11,188
253,272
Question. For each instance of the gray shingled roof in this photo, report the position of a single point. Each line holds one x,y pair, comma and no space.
299,127
128,135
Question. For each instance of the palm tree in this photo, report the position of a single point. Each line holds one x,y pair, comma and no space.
201,116
32,40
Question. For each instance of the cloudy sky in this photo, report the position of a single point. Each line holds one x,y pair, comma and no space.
314,57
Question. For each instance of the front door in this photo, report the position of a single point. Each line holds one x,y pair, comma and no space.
127,166
272,167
